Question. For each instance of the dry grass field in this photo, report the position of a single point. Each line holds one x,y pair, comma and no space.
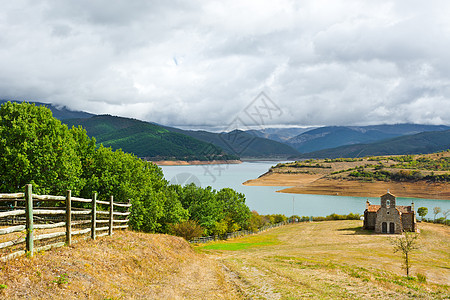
128,265
334,260
319,260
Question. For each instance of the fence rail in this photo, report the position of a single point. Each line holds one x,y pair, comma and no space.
206,239
26,221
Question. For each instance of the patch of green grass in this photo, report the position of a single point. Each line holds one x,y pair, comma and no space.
236,246
241,243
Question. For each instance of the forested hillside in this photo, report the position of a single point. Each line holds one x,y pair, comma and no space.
242,143
37,148
148,140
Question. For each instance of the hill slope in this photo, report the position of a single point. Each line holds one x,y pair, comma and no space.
61,113
147,140
242,143
279,134
425,142
128,265
335,136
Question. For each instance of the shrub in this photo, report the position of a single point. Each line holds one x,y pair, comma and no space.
421,278
187,229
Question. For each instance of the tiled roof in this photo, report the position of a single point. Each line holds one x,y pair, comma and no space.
373,208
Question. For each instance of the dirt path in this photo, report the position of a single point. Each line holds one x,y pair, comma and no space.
334,260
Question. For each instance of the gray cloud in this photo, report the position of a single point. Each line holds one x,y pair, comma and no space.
201,63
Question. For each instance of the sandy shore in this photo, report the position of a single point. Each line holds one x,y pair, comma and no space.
314,184
194,162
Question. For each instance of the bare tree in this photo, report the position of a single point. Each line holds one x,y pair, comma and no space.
446,213
436,211
405,244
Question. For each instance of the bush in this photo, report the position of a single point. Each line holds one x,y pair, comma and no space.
187,229
421,278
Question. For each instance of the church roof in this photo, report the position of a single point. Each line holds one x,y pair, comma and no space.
388,193
373,208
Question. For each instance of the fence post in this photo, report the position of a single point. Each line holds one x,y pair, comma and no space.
69,218
94,215
111,211
29,218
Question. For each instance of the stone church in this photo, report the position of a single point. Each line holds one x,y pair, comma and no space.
389,217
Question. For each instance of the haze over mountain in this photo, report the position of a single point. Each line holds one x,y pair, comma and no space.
279,134
421,143
59,112
335,136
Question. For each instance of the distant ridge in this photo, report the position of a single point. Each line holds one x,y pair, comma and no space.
148,140
61,113
335,136
421,143
242,143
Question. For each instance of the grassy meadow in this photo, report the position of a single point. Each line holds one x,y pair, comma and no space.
318,260
334,260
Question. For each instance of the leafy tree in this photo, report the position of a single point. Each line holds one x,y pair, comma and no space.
235,209
406,245
36,148
436,210
422,211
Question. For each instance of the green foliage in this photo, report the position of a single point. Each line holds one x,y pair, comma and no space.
422,211
218,212
187,229
148,140
61,279
257,221
421,278
36,148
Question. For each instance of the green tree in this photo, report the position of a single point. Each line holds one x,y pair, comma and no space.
422,211
406,244
235,210
36,148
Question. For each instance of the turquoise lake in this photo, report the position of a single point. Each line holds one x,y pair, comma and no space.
265,199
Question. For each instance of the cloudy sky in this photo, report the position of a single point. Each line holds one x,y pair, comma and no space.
197,63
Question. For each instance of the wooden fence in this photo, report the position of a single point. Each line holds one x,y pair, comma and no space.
206,239
33,216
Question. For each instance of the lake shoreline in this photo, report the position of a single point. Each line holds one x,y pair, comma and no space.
194,162
317,185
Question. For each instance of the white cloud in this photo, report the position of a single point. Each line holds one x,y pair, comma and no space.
200,63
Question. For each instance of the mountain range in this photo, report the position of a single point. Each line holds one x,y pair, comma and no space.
147,140
334,136
420,143
154,141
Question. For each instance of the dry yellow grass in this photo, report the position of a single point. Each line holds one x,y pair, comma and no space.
336,260
319,260
128,265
